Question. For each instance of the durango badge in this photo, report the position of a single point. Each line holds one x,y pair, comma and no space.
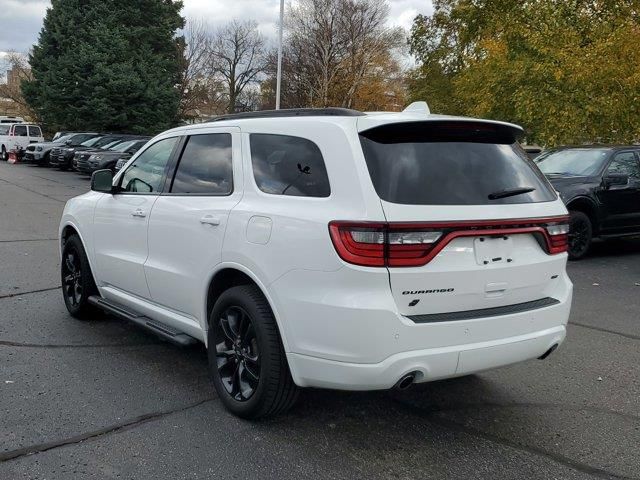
421,292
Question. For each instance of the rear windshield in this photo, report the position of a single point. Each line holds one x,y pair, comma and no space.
445,163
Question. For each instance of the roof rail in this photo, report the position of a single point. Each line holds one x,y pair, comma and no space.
291,112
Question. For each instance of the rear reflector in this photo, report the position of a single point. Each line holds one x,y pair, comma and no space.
416,244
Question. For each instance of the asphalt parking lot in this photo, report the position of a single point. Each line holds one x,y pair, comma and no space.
103,399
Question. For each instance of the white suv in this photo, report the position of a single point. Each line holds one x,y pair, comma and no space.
327,248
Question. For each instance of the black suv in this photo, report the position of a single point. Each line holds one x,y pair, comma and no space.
600,186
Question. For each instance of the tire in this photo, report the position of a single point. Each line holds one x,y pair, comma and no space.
3,154
246,358
77,280
580,235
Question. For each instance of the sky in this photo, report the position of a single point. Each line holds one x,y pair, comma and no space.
21,20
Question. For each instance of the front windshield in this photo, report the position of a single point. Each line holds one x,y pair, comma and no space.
4,129
62,139
574,161
90,142
110,145
123,146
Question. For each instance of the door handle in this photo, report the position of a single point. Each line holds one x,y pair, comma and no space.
210,220
138,212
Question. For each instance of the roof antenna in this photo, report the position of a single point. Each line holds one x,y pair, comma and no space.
418,107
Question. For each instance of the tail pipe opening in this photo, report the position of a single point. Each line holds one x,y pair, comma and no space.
548,352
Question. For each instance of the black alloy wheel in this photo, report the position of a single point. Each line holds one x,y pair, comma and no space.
72,277
580,235
77,280
248,364
238,354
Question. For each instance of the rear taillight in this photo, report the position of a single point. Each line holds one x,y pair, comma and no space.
558,237
381,244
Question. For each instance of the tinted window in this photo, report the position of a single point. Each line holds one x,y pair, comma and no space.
574,161
625,163
205,166
34,132
146,174
20,130
284,165
451,164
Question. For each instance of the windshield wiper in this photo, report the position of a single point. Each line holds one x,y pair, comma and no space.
510,193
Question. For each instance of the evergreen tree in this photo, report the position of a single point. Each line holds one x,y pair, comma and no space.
107,65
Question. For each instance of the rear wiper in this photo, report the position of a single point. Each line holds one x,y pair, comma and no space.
510,193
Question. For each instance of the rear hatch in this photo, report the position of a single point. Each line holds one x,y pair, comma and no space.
472,224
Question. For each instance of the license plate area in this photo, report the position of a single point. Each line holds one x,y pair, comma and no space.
491,250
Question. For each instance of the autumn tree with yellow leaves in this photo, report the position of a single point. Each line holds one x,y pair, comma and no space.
568,71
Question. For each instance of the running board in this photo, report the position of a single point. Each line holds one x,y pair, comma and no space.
160,329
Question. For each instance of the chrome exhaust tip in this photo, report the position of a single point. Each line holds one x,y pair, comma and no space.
405,382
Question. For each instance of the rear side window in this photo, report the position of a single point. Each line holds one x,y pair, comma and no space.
35,132
285,165
20,130
206,166
446,163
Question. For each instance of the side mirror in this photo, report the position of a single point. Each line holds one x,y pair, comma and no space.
612,179
68,142
102,181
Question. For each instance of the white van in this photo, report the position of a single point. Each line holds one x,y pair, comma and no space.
17,136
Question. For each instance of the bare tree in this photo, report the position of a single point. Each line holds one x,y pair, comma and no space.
333,48
11,91
201,94
237,58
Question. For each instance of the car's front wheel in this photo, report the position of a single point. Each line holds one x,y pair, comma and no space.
580,235
77,280
3,154
246,357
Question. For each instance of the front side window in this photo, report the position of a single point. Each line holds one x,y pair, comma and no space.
146,173
20,130
206,166
626,164
285,165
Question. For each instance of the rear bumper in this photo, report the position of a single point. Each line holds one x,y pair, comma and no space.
346,333
430,364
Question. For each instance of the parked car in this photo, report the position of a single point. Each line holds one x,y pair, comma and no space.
327,248
601,187
39,153
63,157
88,162
17,137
